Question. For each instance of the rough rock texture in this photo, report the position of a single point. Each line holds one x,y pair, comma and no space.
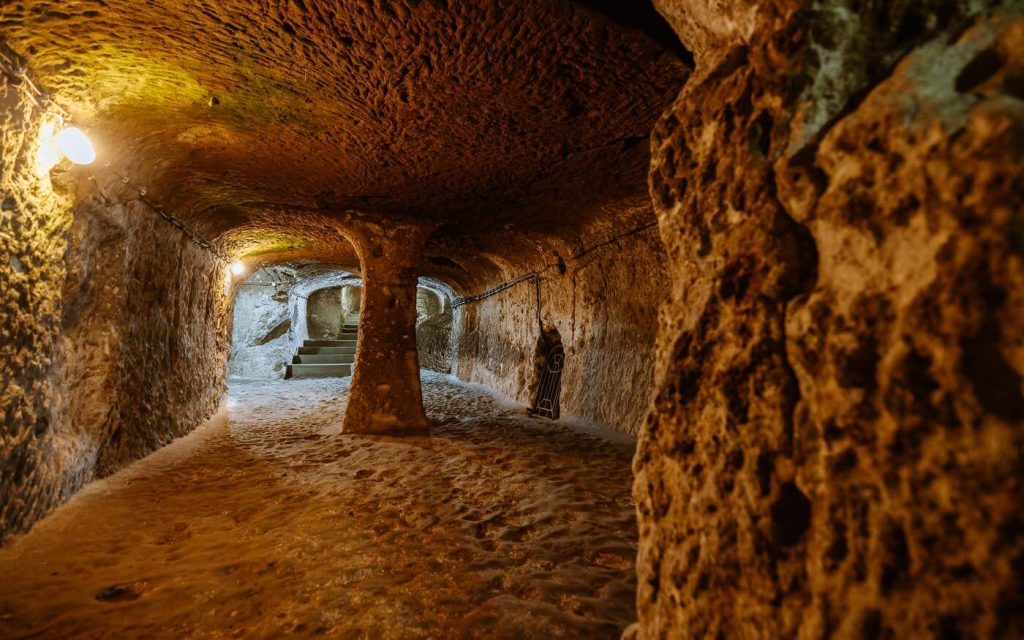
262,337
244,115
386,396
835,444
324,314
351,299
173,327
33,221
502,127
909,349
113,327
604,306
434,330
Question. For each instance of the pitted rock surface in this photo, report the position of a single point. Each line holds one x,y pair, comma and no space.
440,110
834,447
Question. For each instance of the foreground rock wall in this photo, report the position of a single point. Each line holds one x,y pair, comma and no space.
835,444
113,327
604,307
35,470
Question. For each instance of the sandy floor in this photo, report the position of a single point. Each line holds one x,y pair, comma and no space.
266,522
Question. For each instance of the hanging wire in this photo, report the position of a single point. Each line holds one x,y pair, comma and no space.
18,75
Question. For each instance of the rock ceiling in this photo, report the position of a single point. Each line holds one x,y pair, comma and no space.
478,114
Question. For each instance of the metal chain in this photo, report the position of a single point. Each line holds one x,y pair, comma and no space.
174,221
458,302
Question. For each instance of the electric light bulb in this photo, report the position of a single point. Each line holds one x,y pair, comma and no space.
238,268
76,146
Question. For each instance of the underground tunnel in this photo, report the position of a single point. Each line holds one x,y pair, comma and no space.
512,319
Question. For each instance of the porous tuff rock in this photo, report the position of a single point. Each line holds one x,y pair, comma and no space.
602,299
239,114
173,326
323,310
113,329
385,394
33,220
834,448
910,430
262,339
434,330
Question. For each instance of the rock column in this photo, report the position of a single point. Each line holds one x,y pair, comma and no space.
385,396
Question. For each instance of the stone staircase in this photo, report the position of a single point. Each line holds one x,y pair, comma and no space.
325,358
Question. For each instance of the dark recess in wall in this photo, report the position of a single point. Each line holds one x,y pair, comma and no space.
641,15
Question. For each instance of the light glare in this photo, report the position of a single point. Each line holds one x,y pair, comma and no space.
76,146
237,268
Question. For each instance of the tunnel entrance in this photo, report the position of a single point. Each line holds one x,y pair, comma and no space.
551,358
303,321
434,321
329,310
351,302
279,308
324,316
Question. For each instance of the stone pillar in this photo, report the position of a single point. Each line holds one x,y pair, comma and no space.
385,396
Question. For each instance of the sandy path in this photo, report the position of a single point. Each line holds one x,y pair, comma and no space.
266,522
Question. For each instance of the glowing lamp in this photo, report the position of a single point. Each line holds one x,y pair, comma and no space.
76,146
237,268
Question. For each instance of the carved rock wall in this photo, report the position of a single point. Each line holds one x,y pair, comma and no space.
604,307
324,314
835,444
33,221
174,325
114,327
434,330
263,339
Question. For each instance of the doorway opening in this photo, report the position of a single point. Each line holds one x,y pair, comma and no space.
551,362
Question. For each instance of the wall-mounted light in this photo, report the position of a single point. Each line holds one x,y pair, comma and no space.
238,268
76,146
